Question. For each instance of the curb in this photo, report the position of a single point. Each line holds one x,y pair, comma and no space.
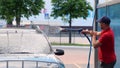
63,46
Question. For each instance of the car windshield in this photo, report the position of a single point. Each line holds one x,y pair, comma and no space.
23,41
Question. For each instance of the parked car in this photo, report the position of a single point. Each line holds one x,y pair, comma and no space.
27,48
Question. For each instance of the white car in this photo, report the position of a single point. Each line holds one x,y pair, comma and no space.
27,48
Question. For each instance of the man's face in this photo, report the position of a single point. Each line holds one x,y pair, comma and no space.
102,25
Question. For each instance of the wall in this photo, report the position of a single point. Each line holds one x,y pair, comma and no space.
113,12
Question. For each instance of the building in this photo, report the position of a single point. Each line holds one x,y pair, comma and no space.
111,8
2,23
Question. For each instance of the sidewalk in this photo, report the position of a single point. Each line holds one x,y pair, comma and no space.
77,40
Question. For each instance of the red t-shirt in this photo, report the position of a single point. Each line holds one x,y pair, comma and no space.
106,52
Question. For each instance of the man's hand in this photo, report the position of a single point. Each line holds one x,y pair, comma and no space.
91,32
85,32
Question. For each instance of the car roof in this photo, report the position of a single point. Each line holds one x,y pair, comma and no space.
19,30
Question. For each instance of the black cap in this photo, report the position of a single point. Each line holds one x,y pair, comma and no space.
105,20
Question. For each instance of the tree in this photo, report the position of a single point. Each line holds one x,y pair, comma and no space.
10,9
72,8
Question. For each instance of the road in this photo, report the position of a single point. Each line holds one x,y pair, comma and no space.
76,56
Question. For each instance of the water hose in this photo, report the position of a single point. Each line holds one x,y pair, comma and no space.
79,30
88,65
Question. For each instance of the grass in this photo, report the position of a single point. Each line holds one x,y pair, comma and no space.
67,44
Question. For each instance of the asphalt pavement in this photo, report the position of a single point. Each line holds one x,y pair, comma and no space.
76,56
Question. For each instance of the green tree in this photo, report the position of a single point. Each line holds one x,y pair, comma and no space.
10,9
72,8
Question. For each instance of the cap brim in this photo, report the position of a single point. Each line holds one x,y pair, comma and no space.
98,21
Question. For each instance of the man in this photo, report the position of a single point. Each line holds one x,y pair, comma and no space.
105,43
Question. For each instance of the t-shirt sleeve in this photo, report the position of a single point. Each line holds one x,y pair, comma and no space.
103,38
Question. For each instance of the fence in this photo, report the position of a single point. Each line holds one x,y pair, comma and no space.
63,37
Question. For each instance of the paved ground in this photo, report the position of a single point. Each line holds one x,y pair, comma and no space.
77,40
76,57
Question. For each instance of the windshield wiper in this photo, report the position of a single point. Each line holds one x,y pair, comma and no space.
21,53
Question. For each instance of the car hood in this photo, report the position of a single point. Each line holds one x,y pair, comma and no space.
29,57
30,61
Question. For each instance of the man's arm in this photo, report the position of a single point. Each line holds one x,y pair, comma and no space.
95,42
91,32
97,33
